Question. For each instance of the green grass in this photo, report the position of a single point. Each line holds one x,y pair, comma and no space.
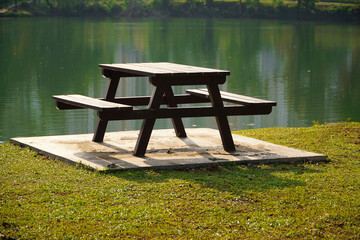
47,199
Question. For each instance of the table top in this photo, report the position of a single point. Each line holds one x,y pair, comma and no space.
162,69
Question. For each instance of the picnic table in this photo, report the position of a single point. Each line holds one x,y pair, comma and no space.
163,76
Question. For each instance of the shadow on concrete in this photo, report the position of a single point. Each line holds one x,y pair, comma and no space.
189,155
229,177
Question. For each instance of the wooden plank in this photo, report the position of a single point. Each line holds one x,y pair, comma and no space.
161,69
108,73
185,112
232,97
143,101
140,68
252,100
135,68
187,80
186,69
92,103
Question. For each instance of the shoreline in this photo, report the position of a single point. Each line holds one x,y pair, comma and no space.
322,11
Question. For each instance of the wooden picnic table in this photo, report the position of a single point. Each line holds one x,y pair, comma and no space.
163,76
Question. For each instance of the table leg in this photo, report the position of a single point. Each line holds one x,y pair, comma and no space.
100,131
221,121
148,124
177,122
110,95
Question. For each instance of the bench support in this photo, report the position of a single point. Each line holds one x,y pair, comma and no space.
110,95
184,112
221,120
148,124
177,122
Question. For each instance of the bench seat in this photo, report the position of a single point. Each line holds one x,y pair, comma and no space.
62,101
233,98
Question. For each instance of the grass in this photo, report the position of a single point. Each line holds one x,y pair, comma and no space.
46,199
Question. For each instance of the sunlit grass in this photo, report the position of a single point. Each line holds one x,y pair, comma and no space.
46,199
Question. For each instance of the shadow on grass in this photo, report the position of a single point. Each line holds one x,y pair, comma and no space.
228,177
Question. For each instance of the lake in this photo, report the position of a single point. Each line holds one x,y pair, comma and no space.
312,69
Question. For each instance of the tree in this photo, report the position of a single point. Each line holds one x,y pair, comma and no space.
65,4
306,4
240,7
51,6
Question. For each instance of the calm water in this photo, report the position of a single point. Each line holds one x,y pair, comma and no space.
311,69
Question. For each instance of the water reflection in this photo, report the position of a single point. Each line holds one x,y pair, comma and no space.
310,69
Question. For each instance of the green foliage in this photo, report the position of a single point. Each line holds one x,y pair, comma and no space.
278,3
162,4
342,1
17,14
304,10
135,8
46,199
80,7
5,3
307,4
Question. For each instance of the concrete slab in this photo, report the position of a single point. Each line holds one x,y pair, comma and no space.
202,147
